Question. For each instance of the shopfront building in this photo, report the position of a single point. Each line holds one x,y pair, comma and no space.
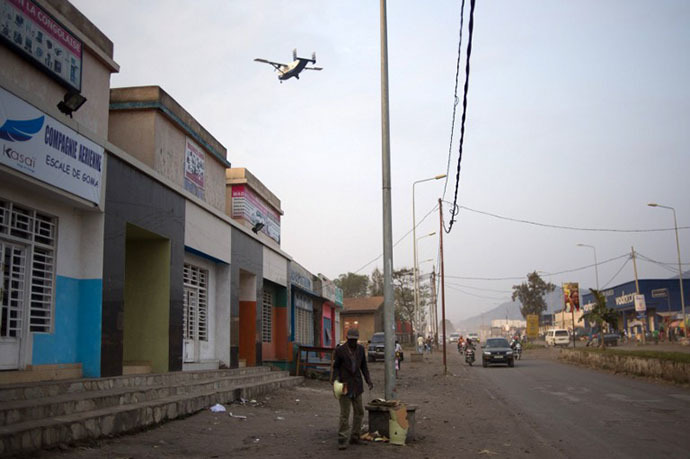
52,174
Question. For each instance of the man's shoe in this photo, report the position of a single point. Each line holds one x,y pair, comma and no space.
342,445
356,441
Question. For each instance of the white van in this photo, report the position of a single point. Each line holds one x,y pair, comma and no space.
557,337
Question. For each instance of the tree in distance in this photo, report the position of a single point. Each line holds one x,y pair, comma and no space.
376,283
353,285
530,294
600,314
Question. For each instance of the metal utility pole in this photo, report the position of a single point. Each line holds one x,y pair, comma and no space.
637,291
443,286
388,295
680,268
434,300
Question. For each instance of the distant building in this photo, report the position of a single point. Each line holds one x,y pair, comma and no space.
364,314
662,303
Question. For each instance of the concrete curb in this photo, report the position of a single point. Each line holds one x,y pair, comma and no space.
676,372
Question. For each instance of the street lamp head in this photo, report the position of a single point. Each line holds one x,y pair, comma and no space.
653,204
432,233
439,177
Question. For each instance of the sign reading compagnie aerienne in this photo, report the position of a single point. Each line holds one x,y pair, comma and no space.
34,33
38,145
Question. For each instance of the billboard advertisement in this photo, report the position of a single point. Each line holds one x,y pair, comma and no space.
40,146
194,169
35,34
571,296
532,326
250,206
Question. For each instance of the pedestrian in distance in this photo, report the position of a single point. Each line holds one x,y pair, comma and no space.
398,357
349,364
420,344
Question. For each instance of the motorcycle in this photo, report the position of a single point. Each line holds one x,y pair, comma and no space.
461,347
469,356
517,350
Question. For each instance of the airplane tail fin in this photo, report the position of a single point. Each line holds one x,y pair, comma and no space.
313,57
294,54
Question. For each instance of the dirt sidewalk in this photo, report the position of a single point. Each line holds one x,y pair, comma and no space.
457,416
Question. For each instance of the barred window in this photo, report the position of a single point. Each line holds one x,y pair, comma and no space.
304,327
28,240
195,303
267,317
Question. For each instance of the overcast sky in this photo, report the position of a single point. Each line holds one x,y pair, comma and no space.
578,115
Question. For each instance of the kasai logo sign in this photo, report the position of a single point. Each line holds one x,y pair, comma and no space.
40,146
20,130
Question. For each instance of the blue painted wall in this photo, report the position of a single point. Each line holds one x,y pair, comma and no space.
76,337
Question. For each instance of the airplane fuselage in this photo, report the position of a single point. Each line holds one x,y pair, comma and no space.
293,69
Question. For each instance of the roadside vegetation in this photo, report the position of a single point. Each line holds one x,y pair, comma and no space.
679,357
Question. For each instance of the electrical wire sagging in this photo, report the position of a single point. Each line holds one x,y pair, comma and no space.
454,210
455,96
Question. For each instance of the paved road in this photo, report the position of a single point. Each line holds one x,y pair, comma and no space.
587,413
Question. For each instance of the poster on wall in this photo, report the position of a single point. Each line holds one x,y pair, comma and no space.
35,34
194,169
250,206
39,146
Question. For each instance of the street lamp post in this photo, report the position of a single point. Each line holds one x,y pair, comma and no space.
680,269
417,314
596,269
414,238
423,323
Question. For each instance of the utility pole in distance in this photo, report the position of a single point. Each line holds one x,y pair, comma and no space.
443,286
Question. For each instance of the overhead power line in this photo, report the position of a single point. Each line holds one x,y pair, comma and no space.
455,97
627,260
541,272
399,240
572,228
470,31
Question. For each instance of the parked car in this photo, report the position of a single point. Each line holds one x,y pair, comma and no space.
497,350
376,347
557,337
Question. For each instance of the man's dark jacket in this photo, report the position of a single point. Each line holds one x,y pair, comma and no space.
347,365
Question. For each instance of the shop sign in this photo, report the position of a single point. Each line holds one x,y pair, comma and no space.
194,169
327,289
301,277
660,293
625,299
34,33
640,305
39,146
338,296
250,206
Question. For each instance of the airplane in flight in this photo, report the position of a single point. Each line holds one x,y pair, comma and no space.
287,71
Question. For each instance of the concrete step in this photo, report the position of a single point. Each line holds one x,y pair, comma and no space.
50,432
18,411
53,388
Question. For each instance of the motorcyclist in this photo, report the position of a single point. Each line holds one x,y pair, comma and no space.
461,343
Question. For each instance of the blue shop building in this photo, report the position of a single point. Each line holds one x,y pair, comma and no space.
662,300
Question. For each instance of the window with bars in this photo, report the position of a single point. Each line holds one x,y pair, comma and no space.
195,303
304,327
28,239
267,317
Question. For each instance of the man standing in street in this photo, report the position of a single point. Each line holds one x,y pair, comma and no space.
349,364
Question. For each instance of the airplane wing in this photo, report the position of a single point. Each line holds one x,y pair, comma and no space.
313,68
274,64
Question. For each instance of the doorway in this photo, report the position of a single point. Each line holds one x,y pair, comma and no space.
147,300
